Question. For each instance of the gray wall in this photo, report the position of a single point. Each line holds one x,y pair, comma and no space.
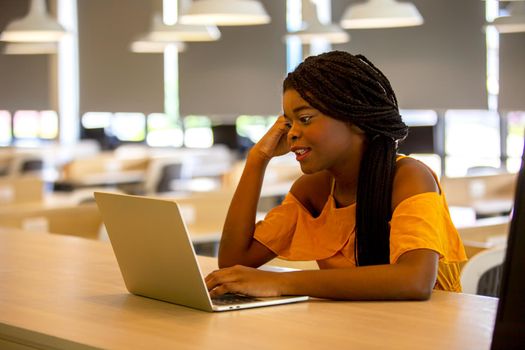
512,71
112,78
24,79
240,73
438,65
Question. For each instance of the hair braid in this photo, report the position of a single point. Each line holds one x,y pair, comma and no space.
352,89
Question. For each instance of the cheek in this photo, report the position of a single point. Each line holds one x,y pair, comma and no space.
337,137
320,136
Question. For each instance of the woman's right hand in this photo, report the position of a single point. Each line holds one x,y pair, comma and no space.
274,142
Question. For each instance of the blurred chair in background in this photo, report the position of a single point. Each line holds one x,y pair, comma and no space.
21,190
161,174
81,221
22,164
482,273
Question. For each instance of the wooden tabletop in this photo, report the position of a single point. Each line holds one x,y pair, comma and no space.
67,293
109,178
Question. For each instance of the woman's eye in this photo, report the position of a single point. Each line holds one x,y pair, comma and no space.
305,119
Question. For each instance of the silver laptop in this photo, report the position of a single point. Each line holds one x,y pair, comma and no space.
156,256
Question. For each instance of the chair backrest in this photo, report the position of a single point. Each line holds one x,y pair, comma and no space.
481,274
26,164
161,172
168,173
209,162
204,212
17,190
206,207
82,221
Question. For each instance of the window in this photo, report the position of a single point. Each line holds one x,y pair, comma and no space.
5,128
515,135
96,120
252,127
48,125
419,117
129,126
30,127
294,22
472,139
26,124
162,132
197,132
421,142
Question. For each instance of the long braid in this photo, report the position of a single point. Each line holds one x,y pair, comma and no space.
374,198
350,88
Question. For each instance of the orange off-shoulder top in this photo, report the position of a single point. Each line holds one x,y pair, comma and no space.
420,221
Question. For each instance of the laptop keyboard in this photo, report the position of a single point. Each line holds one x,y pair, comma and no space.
229,299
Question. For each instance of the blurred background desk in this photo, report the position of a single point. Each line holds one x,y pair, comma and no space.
67,293
112,179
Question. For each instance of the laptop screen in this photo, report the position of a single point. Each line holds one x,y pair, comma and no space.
509,331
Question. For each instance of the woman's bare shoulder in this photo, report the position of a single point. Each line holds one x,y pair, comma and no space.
411,178
312,190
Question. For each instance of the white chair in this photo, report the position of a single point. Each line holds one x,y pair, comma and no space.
477,266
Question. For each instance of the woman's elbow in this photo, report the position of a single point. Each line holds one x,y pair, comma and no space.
223,260
421,293
418,273
418,289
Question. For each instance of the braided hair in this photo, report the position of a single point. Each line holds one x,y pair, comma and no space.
351,89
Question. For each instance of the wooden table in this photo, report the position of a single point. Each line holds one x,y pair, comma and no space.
67,293
112,178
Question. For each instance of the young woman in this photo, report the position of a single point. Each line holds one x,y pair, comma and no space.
377,223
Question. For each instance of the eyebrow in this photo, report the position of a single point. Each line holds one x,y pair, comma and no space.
299,109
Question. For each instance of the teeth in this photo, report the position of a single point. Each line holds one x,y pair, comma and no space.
300,151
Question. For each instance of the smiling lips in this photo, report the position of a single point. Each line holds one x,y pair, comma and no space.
301,153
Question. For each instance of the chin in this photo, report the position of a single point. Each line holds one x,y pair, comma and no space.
307,170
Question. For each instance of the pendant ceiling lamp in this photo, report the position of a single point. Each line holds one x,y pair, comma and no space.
314,29
381,14
27,48
226,13
161,35
182,32
515,21
37,26
150,46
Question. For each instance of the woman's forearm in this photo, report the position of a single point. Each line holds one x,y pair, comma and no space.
384,282
239,226
412,278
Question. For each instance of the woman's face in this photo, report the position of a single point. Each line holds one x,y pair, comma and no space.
319,141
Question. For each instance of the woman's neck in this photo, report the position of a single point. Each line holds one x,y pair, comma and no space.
346,176
345,187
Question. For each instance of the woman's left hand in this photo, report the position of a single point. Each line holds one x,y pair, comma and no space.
244,280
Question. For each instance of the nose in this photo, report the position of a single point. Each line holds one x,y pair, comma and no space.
293,133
